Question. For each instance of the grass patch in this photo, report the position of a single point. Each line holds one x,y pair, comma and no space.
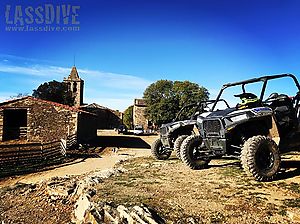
282,211
294,187
293,203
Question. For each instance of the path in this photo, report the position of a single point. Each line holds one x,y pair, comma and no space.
81,166
78,167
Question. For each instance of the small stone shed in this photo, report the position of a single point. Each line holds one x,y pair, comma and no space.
106,118
34,120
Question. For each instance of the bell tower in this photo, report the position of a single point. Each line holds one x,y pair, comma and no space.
75,84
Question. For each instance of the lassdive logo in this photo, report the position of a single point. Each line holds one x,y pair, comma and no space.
45,18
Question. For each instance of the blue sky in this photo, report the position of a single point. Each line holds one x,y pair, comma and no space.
123,46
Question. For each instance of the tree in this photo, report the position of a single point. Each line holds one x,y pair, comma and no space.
128,117
165,98
54,91
19,95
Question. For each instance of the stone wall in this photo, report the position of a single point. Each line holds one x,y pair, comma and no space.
106,118
46,122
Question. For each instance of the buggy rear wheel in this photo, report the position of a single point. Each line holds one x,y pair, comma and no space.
192,154
260,158
159,151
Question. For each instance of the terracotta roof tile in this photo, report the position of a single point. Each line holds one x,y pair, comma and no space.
75,109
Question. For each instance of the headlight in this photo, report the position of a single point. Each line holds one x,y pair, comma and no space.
199,120
239,117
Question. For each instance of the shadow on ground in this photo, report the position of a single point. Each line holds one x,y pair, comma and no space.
119,141
237,164
292,168
38,167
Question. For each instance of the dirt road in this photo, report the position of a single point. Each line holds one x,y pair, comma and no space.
139,148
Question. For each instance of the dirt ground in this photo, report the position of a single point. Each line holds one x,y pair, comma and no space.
220,194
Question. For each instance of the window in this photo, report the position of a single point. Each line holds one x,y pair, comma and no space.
74,87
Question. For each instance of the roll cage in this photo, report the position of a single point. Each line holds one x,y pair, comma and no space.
263,79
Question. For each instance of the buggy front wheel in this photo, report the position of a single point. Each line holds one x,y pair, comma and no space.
260,158
192,154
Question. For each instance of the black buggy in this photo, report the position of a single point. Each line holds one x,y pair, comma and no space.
255,130
171,135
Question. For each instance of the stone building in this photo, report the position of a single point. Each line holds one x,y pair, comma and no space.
30,119
106,118
76,86
139,118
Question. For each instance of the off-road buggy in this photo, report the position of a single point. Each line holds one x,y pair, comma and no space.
255,130
171,135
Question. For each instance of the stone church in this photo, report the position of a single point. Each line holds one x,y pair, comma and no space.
106,118
76,85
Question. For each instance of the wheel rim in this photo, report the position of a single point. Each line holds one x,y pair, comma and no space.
264,158
162,151
196,154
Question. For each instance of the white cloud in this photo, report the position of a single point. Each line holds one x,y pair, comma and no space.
119,81
10,57
35,70
112,90
103,78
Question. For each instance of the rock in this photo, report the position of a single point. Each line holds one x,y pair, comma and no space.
62,187
130,215
93,216
145,214
57,191
81,186
137,218
191,220
124,214
92,179
82,206
108,214
53,198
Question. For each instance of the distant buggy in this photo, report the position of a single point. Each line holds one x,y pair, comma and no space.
257,130
171,135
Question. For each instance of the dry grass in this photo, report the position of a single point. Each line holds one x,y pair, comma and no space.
220,194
